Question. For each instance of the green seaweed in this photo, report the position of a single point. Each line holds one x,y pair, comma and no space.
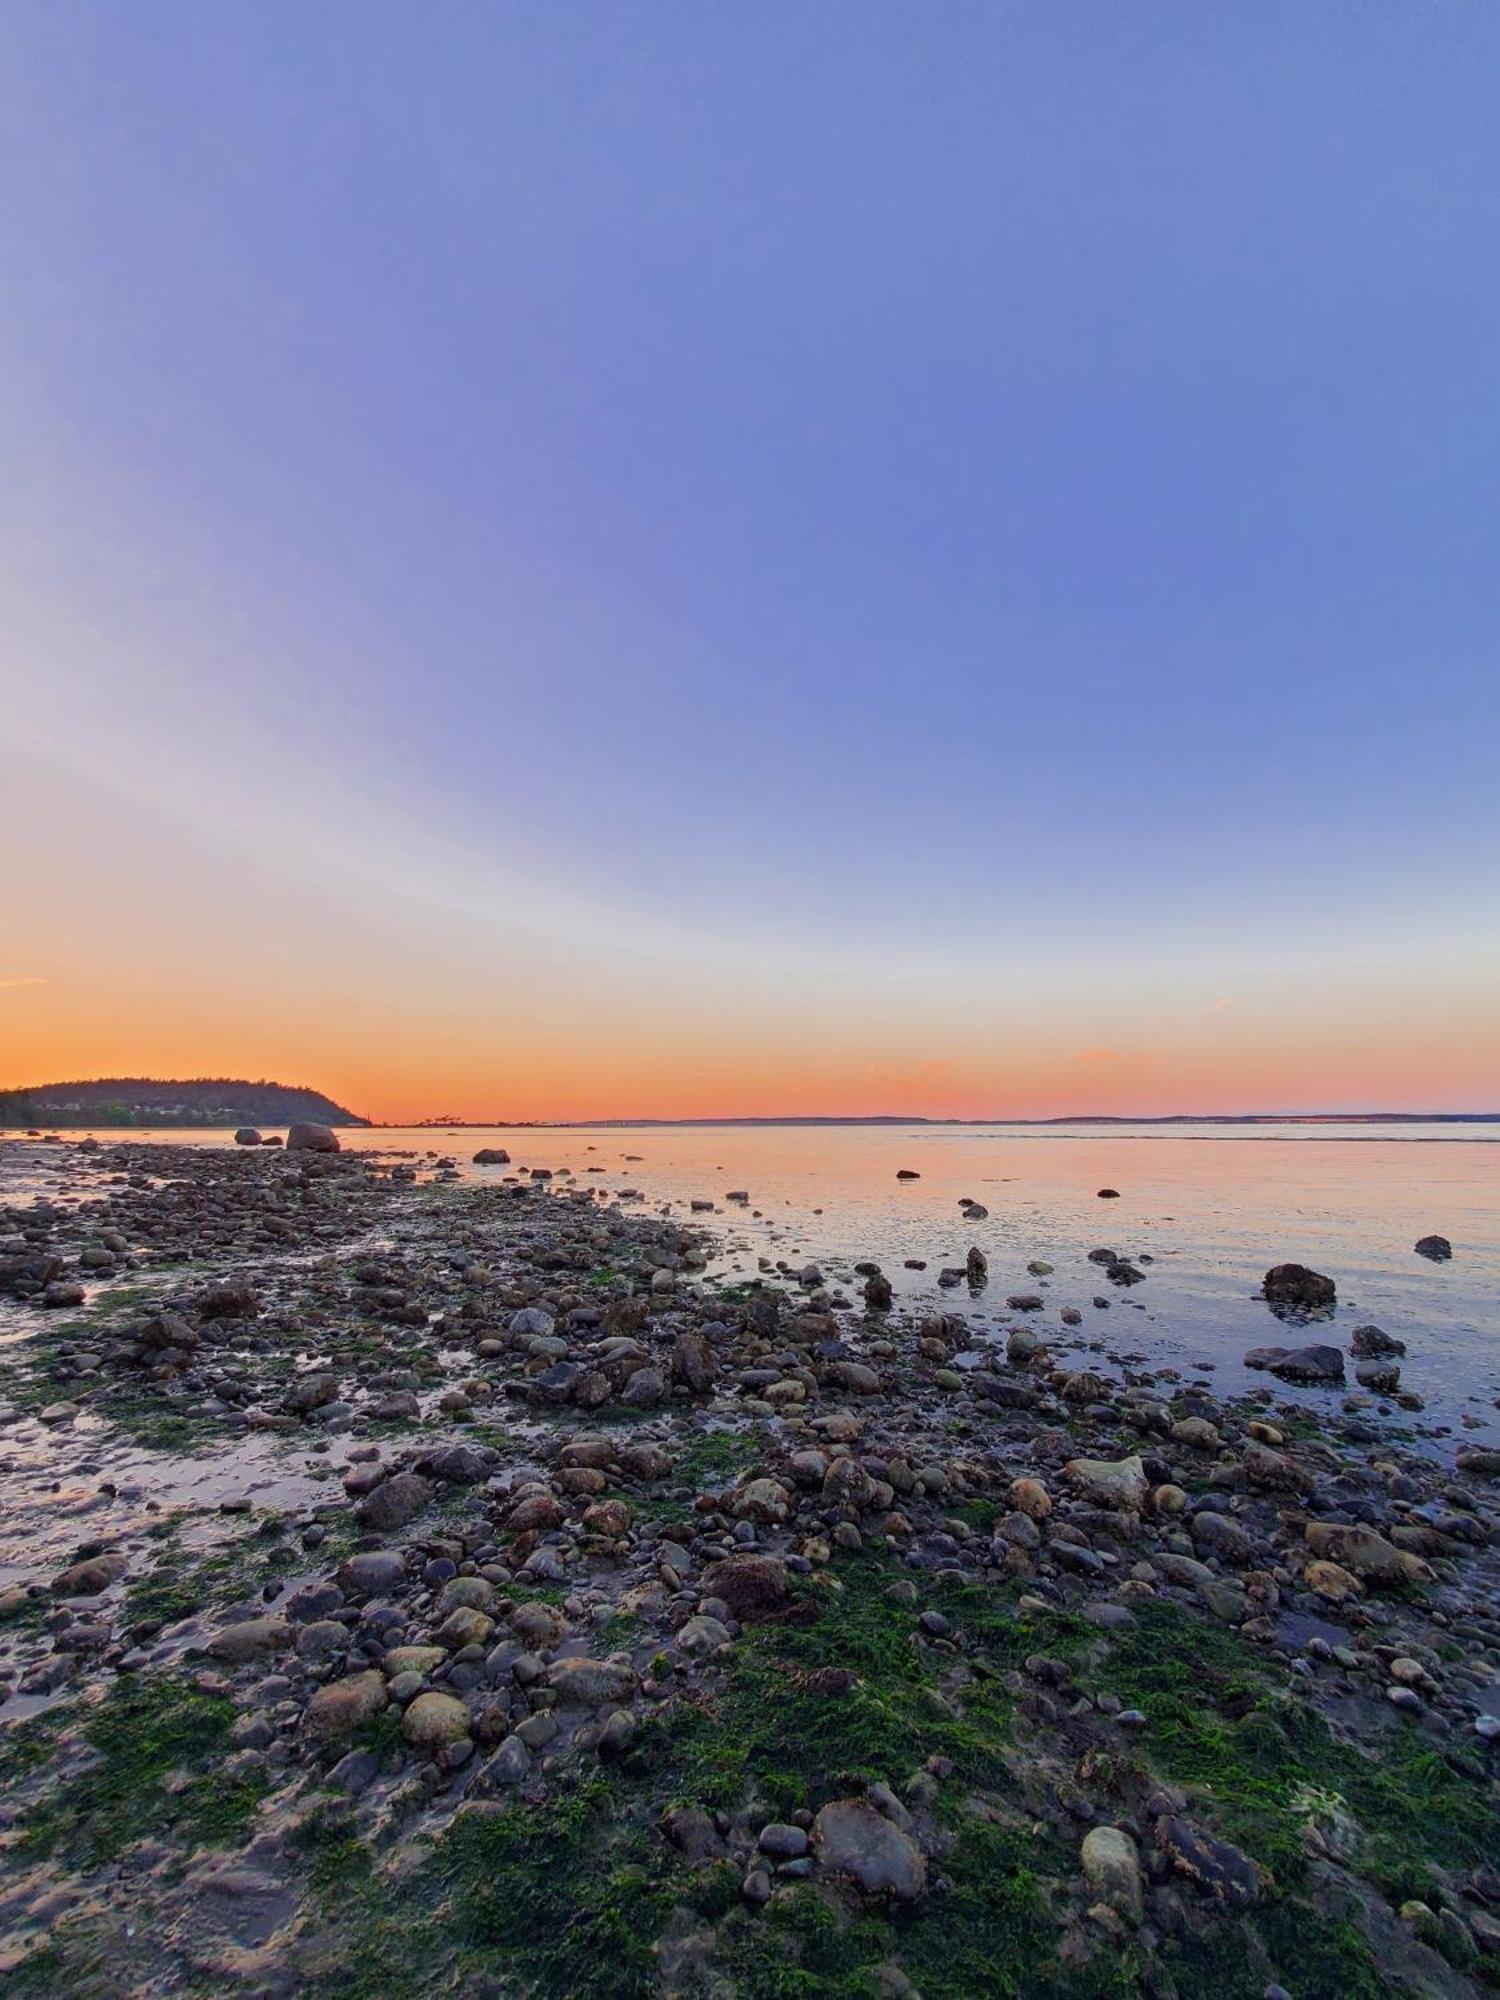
157,1742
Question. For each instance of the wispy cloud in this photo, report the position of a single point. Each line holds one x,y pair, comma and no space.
22,982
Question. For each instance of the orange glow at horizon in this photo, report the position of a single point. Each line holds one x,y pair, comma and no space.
382,1060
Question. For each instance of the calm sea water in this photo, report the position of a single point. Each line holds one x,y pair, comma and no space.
1213,1208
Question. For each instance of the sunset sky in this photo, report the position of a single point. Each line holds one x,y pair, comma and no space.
682,558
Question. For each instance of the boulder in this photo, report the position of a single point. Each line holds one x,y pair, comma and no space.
754,1587
1213,1866
372,1572
1331,1581
248,1136
584,1683
312,1139
1299,1364
764,1500
433,1721
1112,1870
1296,1285
1363,1552
1369,1343
343,1705
1382,1377
227,1298
1437,1249
492,1156
89,1578
850,1838
250,1640
394,1502
1118,1484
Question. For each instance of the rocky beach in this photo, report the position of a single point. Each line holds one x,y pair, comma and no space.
414,1584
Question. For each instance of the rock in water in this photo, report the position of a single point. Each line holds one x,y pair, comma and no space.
492,1156
1368,1343
312,1139
1296,1285
247,1136
1437,1249
1299,1364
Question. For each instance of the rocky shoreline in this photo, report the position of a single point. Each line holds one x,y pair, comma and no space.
424,1587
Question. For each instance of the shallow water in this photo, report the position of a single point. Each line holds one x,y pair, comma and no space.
1213,1206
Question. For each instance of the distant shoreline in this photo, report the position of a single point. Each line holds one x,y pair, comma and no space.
892,1119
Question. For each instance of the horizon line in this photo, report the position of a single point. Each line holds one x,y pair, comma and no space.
919,1118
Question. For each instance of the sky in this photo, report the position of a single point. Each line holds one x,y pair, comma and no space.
690,559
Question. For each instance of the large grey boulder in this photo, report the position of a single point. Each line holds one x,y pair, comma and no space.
852,1839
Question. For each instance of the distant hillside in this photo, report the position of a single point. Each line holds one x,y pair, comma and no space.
146,1100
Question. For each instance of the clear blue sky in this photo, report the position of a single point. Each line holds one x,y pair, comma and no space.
965,489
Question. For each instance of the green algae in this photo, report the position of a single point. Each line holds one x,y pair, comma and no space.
156,1744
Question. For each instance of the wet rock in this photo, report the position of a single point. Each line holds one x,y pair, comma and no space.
1332,1582
693,1833
88,1579
250,1640
1319,1364
1273,1472
1031,1498
1197,1432
434,1721
1437,1249
395,1502
754,1587
343,1705
1118,1484
228,1298
763,1500
492,1156
458,1464
852,1839
1368,1555
592,1683
1370,1343
1384,1377
247,1136
1219,1870
782,1842
372,1572
1297,1285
